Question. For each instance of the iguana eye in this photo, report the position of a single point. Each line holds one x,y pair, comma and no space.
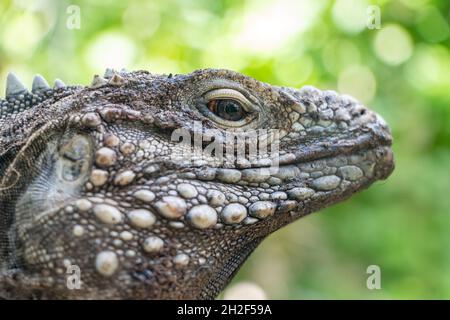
227,109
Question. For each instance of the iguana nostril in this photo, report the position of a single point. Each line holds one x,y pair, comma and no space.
386,163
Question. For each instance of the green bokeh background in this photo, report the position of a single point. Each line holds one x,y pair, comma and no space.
401,70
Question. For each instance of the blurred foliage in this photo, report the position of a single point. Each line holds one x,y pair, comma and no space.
401,70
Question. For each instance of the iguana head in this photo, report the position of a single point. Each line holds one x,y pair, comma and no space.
156,186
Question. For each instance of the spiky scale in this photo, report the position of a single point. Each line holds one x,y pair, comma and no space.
116,80
98,82
14,86
59,84
109,73
39,84
19,99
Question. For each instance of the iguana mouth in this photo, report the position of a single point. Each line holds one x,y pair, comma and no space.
375,150
337,146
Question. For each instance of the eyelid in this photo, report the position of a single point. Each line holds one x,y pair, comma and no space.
229,94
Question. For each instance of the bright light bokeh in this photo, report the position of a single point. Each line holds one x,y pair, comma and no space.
349,15
110,50
268,26
393,45
359,82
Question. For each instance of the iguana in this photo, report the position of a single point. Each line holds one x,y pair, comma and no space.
99,198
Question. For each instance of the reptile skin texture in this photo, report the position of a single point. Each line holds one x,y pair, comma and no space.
147,186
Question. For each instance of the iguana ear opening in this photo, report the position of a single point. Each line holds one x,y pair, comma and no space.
74,158
16,168
59,174
46,173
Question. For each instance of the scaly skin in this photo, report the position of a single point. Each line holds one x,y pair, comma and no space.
90,179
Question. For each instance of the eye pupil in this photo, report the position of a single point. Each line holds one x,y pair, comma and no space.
227,109
231,108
